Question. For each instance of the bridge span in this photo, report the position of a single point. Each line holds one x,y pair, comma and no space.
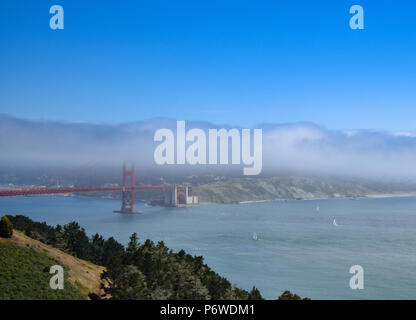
174,194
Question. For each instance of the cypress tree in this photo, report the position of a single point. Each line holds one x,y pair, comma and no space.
6,227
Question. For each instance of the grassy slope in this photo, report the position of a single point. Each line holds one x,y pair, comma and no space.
23,261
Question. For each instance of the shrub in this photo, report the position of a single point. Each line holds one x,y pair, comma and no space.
254,294
6,227
287,295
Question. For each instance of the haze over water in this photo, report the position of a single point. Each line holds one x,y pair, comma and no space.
298,248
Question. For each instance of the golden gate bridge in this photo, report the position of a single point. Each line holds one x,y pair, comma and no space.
174,195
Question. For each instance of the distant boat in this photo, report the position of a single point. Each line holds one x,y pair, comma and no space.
255,237
317,209
334,223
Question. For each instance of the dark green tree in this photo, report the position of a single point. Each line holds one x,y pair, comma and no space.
78,241
6,227
113,253
126,283
97,248
133,243
254,294
287,295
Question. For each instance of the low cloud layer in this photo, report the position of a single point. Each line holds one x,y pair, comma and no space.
297,148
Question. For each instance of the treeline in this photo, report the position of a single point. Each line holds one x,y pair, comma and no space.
139,271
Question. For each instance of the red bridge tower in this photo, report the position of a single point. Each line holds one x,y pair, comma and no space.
127,200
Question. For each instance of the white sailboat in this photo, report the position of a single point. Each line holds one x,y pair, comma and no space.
317,209
334,223
255,237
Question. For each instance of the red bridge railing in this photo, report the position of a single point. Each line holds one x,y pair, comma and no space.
60,190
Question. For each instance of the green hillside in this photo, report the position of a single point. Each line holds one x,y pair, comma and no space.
24,274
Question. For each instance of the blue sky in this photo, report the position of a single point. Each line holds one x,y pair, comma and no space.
235,62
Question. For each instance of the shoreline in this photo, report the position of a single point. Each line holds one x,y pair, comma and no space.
391,195
235,202
369,196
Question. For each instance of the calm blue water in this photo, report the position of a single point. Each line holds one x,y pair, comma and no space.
299,249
